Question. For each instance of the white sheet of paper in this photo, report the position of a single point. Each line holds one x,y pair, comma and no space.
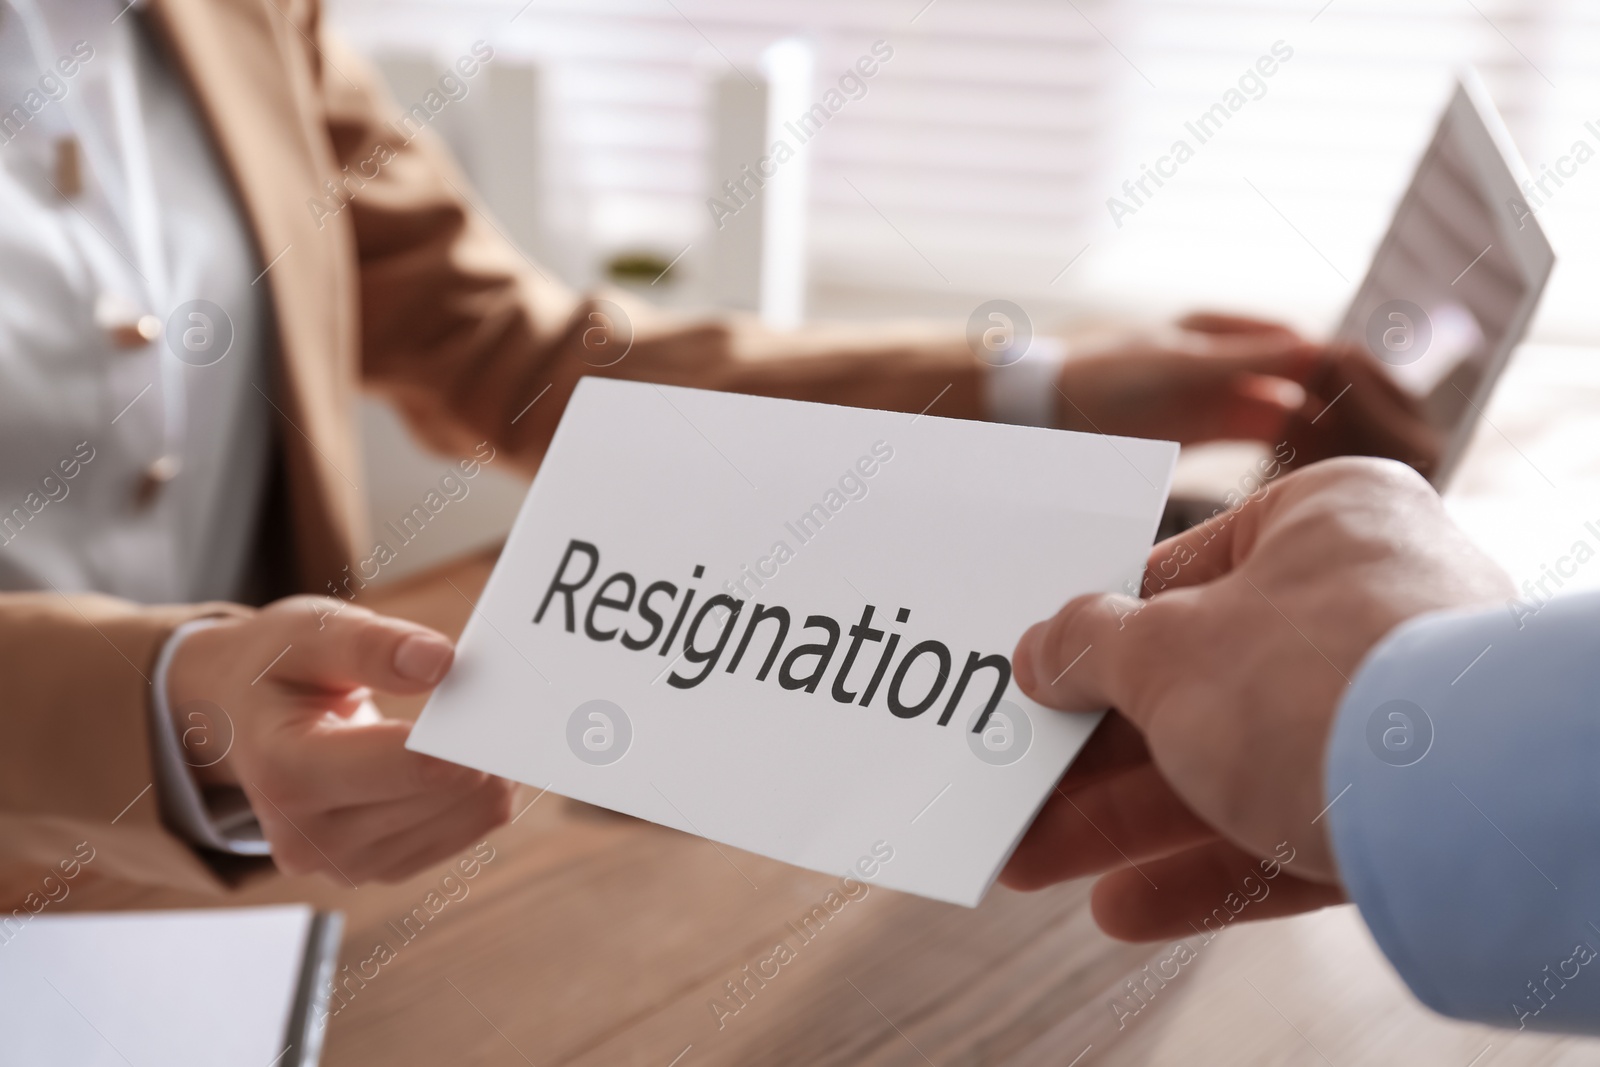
976,530
170,987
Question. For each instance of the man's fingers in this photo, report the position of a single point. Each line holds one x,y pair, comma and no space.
1074,660
1115,746
336,764
1196,556
358,648
1198,890
1124,820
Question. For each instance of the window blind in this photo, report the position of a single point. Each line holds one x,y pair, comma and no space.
988,156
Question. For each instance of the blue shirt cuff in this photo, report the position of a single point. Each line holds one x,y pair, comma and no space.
1463,774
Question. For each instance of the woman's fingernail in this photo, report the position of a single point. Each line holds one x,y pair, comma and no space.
421,658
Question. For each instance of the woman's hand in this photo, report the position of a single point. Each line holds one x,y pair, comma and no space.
284,693
1217,377
1208,378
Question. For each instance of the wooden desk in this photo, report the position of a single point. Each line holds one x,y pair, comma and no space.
592,939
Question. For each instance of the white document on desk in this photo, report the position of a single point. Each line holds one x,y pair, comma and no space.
182,988
787,626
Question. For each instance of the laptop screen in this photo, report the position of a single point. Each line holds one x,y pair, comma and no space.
1446,295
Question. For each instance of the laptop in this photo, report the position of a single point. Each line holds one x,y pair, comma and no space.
1451,290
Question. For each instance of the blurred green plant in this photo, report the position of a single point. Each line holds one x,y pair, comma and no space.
649,268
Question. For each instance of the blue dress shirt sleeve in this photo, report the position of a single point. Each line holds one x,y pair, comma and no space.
1465,813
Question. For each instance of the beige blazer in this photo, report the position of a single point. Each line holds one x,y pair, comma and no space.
409,291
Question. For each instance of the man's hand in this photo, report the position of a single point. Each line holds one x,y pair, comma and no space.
1225,683
1224,378
332,783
